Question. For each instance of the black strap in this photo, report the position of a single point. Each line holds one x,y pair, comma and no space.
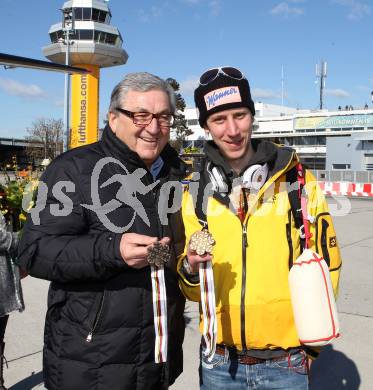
200,193
291,179
199,203
294,199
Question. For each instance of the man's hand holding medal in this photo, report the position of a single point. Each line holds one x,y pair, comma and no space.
199,250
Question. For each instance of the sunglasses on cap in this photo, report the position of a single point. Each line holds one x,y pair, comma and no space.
211,74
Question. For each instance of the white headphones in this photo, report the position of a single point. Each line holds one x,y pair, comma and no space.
217,179
253,178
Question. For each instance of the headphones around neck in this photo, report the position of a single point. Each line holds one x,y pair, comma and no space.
254,177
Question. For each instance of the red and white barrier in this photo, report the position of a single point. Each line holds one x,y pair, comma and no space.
346,188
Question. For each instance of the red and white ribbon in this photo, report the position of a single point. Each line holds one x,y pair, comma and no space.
206,277
160,313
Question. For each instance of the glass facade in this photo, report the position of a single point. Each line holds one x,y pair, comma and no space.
319,140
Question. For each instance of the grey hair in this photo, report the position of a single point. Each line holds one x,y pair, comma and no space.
142,82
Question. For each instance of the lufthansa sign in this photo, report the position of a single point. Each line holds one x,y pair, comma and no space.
82,129
84,107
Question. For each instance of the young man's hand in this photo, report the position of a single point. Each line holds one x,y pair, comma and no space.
194,260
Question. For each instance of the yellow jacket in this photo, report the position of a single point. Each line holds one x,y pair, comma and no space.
253,304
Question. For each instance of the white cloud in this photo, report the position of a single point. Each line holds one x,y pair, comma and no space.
357,9
215,7
188,86
148,15
260,93
15,88
338,92
285,9
59,103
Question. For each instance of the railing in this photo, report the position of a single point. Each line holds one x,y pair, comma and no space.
344,175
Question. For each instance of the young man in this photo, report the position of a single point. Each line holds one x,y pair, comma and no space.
92,239
249,215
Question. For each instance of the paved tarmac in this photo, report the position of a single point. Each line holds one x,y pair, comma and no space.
346,364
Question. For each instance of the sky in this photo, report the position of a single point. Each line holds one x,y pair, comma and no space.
273,42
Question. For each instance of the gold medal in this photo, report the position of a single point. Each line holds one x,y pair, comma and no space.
202,242
158,254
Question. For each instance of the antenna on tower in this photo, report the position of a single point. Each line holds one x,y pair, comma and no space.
321,74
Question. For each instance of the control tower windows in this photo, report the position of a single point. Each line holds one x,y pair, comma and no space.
76,34
78,13
55,36
100,16
111,39
83,13
103,37
88,35
99,36
85,34
95,14
87,14
92,14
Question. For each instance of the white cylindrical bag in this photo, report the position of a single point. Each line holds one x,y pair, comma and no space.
312,297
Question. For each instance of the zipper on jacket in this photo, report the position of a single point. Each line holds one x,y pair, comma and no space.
97,319
243,286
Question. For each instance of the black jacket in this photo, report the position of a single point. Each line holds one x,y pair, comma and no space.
93,293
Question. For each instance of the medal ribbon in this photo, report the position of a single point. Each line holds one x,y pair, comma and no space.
243,205
160,313
206,277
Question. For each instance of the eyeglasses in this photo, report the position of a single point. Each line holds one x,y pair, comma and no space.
211,74
145,118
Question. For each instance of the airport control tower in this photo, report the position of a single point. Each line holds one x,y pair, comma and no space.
85,38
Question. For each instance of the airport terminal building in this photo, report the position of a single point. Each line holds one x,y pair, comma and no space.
324,140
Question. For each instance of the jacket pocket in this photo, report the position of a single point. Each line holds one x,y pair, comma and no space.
326,241
95,315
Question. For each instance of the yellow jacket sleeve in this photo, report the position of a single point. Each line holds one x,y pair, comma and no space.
190,290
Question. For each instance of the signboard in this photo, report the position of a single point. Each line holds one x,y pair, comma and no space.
84,107
335,121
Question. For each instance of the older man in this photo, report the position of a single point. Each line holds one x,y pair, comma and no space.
257,238
93,234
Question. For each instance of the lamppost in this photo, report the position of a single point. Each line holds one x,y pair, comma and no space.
371,96
68,27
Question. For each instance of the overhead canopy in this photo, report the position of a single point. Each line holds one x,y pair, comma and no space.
24,62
